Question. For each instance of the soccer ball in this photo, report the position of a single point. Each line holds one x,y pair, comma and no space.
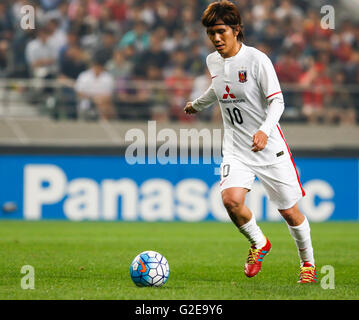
149,269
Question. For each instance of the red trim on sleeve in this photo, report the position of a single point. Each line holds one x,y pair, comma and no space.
291,158
274,94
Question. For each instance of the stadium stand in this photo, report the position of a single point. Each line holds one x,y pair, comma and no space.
153,54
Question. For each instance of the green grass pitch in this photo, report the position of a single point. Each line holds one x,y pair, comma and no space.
91,260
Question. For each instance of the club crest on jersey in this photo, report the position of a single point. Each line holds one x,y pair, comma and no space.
242,75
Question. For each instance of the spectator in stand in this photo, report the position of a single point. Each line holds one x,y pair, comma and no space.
196,62
4,47
119,67
118,10
317,92
288,70
42,55
174,42
168,18
189,25
132,98
72,39
343,48
342,108
147,13
138,37
178,60
158,98
153,56
105,22
272,36
6,23
60,14
79,22
74,61
95,88
260,13
57,36
19,66
6,34
107,45
179,86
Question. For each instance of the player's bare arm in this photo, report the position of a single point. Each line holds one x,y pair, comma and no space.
189,108
259,141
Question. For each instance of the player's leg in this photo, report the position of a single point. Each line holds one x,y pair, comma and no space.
299,228
284,189
236,181
233,200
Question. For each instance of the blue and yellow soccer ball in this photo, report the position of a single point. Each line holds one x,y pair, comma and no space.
149,269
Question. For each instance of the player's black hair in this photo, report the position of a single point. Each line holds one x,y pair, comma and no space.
225,11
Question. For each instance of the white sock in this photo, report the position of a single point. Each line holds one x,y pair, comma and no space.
253,233
301,236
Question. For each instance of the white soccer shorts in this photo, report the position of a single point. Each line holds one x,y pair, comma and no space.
280,180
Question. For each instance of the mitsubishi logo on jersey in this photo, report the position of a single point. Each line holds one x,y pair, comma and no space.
225,96
230,95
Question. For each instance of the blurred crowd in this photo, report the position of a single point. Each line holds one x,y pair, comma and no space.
101,52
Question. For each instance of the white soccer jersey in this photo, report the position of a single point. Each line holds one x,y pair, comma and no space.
244,85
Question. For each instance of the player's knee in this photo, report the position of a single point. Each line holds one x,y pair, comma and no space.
292,215
286,215
231,203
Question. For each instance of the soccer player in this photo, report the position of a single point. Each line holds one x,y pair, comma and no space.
248,91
